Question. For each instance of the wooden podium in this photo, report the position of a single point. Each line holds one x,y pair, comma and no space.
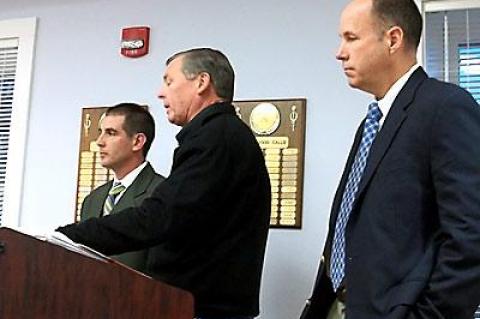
42,280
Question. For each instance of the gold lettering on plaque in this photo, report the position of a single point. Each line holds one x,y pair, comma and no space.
84,183
289,202
273,170
288,215
101,176
272,151
86,178
287,222
94,147
287,208
275,158
289,170
290,158
290,164
273,142
289,189
87,160
274,176
272,164
290,151
85,171
289,177
289,183
101,170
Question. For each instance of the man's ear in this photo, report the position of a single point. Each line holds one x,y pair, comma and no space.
139,140
395,38
203,82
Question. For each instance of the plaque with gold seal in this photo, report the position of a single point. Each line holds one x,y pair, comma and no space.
279,126
264,118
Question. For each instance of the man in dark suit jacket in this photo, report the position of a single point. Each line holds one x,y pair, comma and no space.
126,134
411,244
211,215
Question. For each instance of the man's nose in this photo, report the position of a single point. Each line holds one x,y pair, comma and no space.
161,93
99,140
340,55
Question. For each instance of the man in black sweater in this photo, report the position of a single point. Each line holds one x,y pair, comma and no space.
211,214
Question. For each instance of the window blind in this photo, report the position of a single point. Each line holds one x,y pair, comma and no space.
452,51
8,67
469,68
452,43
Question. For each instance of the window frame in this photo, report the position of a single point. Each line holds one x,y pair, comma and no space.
25,30
437,6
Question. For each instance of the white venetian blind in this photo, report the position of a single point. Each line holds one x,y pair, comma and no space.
8,67
452,42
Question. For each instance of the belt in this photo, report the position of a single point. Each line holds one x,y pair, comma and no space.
342,294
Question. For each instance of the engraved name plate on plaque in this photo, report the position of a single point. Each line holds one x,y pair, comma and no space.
279,126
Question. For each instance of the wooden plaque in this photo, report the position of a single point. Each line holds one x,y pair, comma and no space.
90,173
279,126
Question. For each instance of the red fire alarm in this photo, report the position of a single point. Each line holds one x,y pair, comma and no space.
135,41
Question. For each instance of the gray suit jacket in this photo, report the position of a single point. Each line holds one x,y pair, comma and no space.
141,188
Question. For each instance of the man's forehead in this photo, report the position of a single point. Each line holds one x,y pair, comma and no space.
112,120
356,7
175,63
355,15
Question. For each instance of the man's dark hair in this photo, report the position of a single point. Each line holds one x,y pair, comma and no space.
401,13
137,120
213,62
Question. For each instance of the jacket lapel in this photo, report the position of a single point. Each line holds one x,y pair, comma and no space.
136,189
393,122
99,198
346,171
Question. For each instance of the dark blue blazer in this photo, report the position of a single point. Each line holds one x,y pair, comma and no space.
413,237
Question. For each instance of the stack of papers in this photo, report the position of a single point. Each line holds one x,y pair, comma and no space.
60,239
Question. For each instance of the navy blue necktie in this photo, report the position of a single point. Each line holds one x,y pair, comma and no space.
337,260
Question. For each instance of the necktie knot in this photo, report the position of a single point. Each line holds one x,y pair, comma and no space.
116,189
374,113
112,194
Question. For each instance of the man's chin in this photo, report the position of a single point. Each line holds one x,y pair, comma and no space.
352,83
106,165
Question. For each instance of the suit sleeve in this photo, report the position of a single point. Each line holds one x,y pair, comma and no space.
454,289
86,207
181,204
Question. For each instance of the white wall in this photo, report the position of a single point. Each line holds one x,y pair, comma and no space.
279,49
